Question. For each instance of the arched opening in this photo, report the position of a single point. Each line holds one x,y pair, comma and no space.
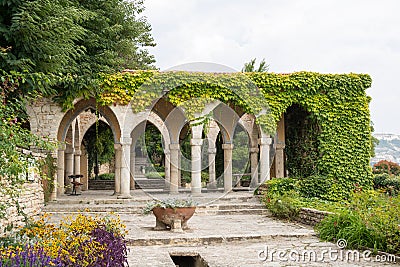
98,146
301,142
77,121
149,170
240,157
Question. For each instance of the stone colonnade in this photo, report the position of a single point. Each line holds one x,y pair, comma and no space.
69,129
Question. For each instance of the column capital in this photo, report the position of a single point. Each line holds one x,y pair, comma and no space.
78,153
174,146
62,146
227,146
254,150
265,141
125,141
280,146
212,151
196,142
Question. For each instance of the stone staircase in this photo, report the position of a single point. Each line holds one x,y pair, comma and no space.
249,205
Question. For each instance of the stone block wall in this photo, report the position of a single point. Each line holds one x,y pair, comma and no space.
311,216
31,198
31,201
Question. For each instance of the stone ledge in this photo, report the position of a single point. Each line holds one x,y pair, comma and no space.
311,216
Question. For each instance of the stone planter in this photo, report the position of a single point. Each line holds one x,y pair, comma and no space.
175,219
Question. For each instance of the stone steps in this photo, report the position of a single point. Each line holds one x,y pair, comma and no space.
214,209
210,240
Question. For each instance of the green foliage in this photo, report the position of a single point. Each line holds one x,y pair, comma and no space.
155,175
250,66
387,184
107,176
285,206
47,168
172,203
371,219
338,103
318,186
15,141
75,40
99,143
301,142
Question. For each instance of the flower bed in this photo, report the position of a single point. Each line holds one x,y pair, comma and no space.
82,241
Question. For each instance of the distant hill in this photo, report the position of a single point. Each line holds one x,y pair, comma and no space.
388,148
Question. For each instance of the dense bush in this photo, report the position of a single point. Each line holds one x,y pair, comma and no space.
107,176
155,175
371,219
83,241
317,186
286,206
388,184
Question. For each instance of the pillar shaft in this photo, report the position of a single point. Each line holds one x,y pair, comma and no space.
125,173
118,156
265,143
132,166
60,170
77,168
212,183
227,167
69,168
280,161
167,164
196,165
174,168
254,166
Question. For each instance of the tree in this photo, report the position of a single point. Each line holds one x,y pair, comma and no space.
388,167
74,39
250,66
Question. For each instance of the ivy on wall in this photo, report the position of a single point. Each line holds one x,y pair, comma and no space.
337,101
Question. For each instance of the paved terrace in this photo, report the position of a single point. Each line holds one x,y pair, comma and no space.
227,230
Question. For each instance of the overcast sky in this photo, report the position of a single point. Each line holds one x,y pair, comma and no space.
326,36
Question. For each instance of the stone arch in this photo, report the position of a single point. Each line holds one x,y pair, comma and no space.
85,104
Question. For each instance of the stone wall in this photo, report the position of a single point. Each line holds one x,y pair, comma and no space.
311,216
31,197
31,201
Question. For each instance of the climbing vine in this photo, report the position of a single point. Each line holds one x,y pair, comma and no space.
337,101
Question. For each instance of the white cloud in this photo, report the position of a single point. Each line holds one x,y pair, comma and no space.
335,36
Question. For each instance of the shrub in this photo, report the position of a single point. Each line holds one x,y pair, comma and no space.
107,176
279,186
372,219
155,175
82,241
388,184
318,186
286,206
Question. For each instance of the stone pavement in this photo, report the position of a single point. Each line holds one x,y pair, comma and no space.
224,239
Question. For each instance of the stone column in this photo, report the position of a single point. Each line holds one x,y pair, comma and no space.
125,165
118,156
85,172
132,166
167,164
174,169
265,143
60,170
196,165
280,161
254,166
227,166
212,183
77,168
69,168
